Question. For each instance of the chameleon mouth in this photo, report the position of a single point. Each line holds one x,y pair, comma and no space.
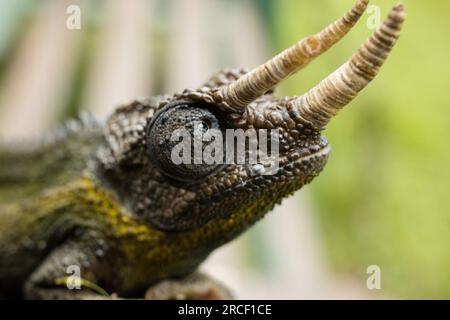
310,161
322,152
305,154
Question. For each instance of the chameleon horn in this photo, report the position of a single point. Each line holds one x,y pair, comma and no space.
255,83
322,102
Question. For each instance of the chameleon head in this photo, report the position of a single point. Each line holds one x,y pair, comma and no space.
190,192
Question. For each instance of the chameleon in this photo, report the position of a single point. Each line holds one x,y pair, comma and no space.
106,198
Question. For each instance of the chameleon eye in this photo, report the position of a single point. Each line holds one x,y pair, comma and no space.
175,140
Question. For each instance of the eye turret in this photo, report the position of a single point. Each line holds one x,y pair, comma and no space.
176,140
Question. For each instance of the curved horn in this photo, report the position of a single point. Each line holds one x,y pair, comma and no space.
322,102
263,78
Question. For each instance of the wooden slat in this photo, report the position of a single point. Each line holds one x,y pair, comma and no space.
248,41
12,16
34,87
189,59
121,67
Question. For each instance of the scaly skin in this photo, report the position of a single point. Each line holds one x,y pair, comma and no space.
110,200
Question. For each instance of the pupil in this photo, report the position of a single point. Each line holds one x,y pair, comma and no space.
207,123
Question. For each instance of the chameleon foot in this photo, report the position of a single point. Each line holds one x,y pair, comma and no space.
196,286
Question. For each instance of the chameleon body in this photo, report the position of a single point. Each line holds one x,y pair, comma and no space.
106,198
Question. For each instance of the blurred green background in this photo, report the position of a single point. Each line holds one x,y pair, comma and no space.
382,200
